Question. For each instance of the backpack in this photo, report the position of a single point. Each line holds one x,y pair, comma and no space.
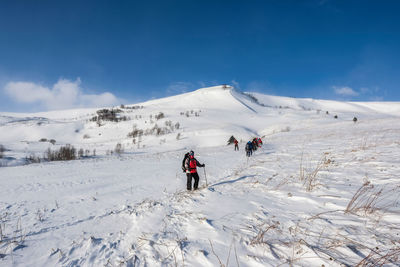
183,161
248,146
192,164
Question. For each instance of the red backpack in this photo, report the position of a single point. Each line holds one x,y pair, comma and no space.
192,165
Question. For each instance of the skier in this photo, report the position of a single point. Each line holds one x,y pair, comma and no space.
190,164
236,144
249,148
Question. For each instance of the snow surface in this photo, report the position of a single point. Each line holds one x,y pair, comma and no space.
293,203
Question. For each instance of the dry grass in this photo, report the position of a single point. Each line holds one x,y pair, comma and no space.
369,199
229,254
377,258
262,230
309,175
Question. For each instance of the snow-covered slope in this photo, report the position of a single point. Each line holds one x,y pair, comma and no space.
206,117
321,191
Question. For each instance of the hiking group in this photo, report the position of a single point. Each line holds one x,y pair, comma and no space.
190,163
252,145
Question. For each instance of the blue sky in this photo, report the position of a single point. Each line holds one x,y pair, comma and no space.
61,54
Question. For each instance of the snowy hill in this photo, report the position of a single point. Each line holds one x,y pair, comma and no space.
206,117
321,191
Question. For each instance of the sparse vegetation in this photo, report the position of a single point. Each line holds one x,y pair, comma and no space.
2,149
108,115
370,198
118,149
67,152
32,158
309,175
159,116
192,112
381,258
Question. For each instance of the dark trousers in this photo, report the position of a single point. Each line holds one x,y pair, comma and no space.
196,178
236,147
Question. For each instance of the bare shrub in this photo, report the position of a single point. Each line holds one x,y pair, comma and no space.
135,132
86,136
32,158
262,230
80,153
309,175
118,149
2,149
377,258
67,152
369,199
52,141
43,140
159,116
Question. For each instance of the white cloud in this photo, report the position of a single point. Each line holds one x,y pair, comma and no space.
345,91
179,87
235,84
63,94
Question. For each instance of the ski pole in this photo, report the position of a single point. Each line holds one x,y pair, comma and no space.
205,176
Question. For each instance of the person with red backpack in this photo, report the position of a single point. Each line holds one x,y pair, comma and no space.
259,142
191,164
236,144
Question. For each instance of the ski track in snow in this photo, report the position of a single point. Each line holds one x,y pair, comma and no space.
133,210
